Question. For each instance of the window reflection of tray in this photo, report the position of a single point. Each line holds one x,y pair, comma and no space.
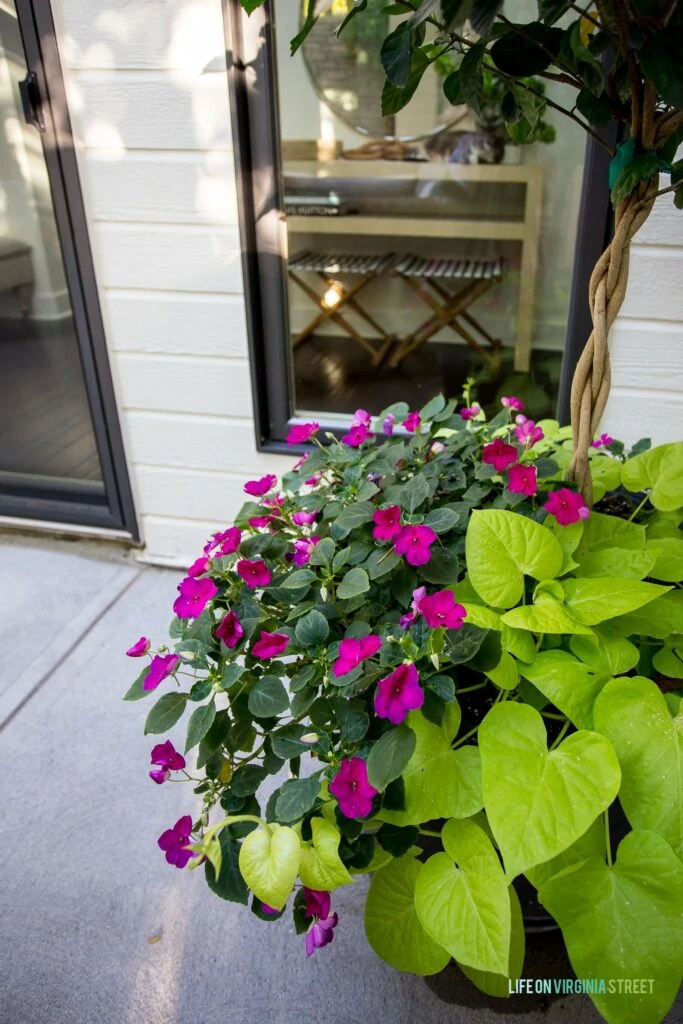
329,205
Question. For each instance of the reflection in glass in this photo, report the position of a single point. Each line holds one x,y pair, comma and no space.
46,435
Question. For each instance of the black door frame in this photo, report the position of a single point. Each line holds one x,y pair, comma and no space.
117,512
254,101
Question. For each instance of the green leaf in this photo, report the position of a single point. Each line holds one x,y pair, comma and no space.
668,553
526,49
659,471
296,797
395,98
432,408
396,54
312,629
268,698
590,844
661,618
354,515
286,742
641,168
567,683
623,922
397,840
633,715
471,76
389,756
505,674
200,722
353,720
501,547
597,110
297,579
392,925
229,884
247,780
355,582
438,782
660,60
461,899
323,552
442,567
413,493
494,984
136,691
612,547
269,863
607,656
594,600
165,713
539,802
545,615
441,520
380,562
321,867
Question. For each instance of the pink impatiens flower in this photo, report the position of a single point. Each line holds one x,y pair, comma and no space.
162,666
254,573
499,454
469,412
168,759
299,462
139,648
261,521
321,929
388,425
229,630
441,609
362,418
303,549
567,506
261,486
512,402
351,788
398,694
175,840
304,518
270,645
224,543
409,618
602,441
352,652
415,542
522,480
357,435
302,432
194,597
387,522
199,567
412,422
526,431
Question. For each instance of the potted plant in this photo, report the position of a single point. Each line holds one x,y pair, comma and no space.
427,633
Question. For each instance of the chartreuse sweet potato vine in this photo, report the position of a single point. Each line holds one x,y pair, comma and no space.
430,634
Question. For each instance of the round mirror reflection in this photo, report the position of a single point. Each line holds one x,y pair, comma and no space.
347,74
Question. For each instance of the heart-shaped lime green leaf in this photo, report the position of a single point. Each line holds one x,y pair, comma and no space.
668,553
546,615
606,475
634,716
593,600
439,782
539,802
606,656
661,618
590,844
519,643
269,863
625,922
392,925
495,984
462,900
567,683
659,471
612,547
321,866
502,547
568,538
505,674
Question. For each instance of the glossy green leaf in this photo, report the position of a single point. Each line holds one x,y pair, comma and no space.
395,54
312,629
268,698
506,673
612,547
229,884
567,683
668,554
496,984
545,615
595,600
296,797
269,863
502,547
539,802
389,756
355,582
604,655
633,714
414,493
659,471
321,867
461,899
624,922
526,51
165,713
590,844
355,515
392,925
200,722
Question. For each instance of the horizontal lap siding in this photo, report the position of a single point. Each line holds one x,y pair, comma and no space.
148,96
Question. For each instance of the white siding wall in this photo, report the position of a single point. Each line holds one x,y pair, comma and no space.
148,97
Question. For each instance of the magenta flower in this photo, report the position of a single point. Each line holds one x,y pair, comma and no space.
175,840
313,480
168,759
499,454
270,645
526,431
229,630
304,518
139,648
357,435
260,521
602,441
412,422
352,652
224,543
388,425
299,462
435,449
362,418
398,694
302,432
522,480
267,909
261,486
320,933
409,618
162,666
255,574
469,412
387,522
440,609
512,402
194,597
199,567
414,542
317,902
567,506
351,788
303,549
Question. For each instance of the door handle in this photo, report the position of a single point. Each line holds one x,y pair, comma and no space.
31,101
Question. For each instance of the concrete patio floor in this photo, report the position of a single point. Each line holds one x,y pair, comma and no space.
95,927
